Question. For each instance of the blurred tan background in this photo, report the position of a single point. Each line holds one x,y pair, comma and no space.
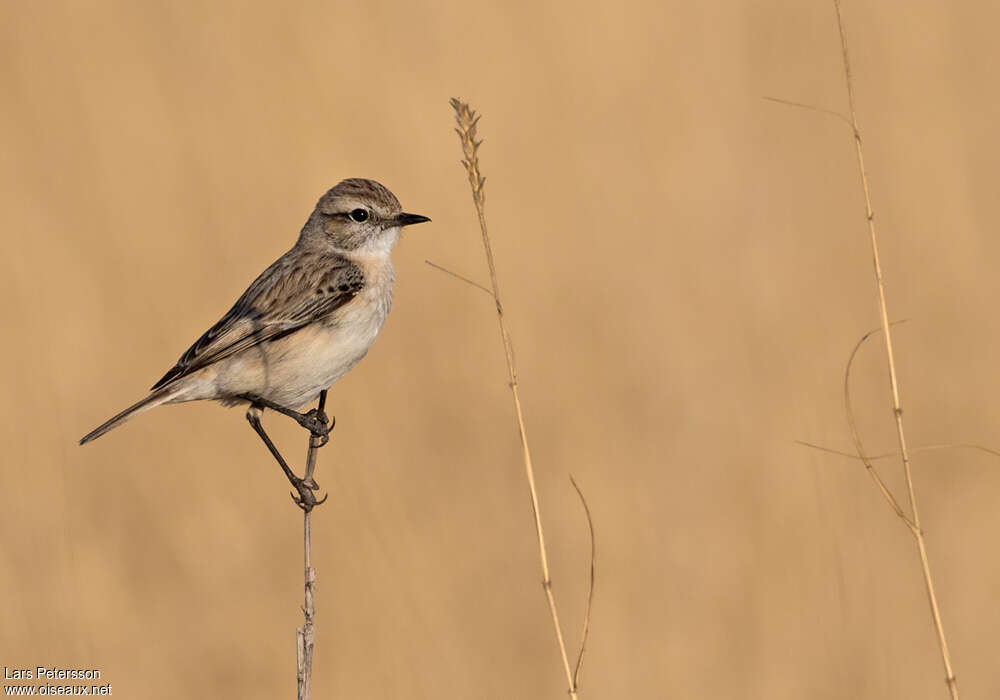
685,267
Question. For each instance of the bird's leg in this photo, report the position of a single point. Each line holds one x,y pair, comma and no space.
305,487
314,420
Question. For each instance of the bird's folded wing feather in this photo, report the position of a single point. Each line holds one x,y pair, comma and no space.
287,296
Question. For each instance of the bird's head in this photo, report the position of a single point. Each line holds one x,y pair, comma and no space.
359,215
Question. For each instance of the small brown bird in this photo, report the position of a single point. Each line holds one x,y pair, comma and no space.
303,323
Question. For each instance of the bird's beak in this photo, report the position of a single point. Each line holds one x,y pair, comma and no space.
405,219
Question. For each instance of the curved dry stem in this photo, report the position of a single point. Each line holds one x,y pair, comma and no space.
593,580
856,437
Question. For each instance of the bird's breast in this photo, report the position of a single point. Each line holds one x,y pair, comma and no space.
292,370
330,348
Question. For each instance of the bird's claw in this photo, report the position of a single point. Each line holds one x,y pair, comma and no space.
317,423
306,498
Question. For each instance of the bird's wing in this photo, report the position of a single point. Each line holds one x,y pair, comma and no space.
288,295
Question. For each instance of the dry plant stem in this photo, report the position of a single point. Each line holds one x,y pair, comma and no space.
858,445
896,453
593,581
896,407
467,119
811,108
458,276
305,636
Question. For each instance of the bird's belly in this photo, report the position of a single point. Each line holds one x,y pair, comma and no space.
295,369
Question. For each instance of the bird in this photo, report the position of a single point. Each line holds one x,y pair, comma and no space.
309,318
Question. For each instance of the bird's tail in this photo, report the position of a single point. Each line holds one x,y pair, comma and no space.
152,401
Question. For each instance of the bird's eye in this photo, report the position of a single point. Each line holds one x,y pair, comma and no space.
358,215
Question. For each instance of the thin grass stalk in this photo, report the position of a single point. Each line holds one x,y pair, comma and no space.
305,636
896,453
856,436
467,120
918,533
585,632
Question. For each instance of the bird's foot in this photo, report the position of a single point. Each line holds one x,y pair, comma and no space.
306,499
314,420
318,424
